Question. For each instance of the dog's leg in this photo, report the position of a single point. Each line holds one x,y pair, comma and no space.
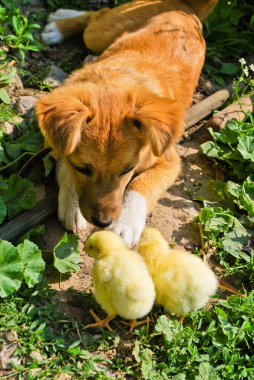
63,24
68,205
142,194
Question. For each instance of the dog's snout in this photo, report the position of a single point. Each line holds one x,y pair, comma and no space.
101,223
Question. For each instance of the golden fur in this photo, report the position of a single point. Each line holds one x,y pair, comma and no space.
126,110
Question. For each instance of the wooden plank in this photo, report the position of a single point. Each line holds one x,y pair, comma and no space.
204,108
29,219
236,110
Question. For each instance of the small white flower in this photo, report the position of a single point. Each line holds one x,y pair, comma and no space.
251,67
242,61
246,71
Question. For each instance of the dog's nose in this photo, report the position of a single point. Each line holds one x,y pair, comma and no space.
101,224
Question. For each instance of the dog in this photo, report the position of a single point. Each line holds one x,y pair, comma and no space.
114,123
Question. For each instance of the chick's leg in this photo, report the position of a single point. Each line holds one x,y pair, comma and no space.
134,323
100,322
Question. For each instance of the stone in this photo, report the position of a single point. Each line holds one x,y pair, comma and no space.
55,77
25,105
16,85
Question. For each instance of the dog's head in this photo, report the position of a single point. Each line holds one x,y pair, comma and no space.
102,135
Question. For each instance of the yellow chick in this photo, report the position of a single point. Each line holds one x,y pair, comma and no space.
183,282
122,283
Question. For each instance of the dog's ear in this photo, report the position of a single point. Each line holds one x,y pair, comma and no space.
160,119
61,118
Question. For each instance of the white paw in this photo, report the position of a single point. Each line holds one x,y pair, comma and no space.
51,35
62,14
68,205
132,219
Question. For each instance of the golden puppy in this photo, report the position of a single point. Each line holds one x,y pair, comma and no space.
115,122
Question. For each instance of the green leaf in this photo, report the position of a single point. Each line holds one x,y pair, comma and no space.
246,147
248,196
234,241
33,264
32,141
228,68
16,24
66,254
209,190
10,269
48,165
3,210
1,153
206,372
20,195
36,235
4,97
166,327
211,149
13,149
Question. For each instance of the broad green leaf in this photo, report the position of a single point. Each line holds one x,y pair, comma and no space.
36,235
206,372
234,189
13,149
10,269
210,190
3,185
166,327
20,195
66,254
228,135
211,149
1,153
246,147
5,78
30,142
4,97
220,223
234,241
16,24
228,68
32,262
248,196
3,210
48,165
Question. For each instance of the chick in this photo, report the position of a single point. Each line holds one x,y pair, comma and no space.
183,282
122,283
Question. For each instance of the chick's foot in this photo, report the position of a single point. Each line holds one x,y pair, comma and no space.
100,322
135,323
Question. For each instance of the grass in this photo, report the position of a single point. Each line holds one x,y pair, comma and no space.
212,344
233,22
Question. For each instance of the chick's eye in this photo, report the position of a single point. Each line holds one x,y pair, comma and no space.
86,170
125,171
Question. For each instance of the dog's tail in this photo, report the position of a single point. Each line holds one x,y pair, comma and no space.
202,8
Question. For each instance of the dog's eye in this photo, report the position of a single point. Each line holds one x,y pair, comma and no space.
125,171
86,170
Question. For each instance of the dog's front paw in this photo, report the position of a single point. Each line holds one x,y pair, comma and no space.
69,213
132,219
71,217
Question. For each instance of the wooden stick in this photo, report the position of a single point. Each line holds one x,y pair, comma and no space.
27,220
204,108
236,110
